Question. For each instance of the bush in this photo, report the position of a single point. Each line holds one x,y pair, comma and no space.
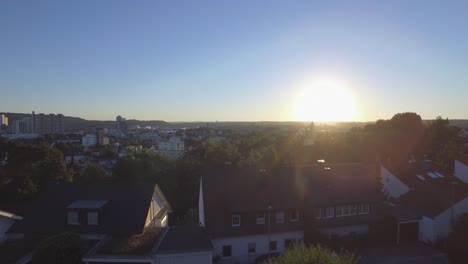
66,248
313,255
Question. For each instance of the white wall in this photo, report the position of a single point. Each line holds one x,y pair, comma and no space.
240,245
426,229
443,221
345,230
392,186
5,224
185,258
461,171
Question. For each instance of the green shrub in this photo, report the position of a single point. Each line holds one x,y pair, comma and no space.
66,248
315,254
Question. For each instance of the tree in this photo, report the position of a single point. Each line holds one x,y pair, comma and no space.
93,173
31,166
457,241
313,255
66,248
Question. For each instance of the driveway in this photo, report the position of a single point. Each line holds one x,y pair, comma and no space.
403,254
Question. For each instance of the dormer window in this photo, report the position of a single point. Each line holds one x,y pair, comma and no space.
93,218
73,218
85,212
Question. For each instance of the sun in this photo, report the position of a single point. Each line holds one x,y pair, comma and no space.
324,101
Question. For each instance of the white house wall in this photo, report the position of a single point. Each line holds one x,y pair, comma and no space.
205,257
345,230
443,221
392,186
239,246
427,228
461,171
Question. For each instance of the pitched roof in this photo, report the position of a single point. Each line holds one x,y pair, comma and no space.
125,212
228,190
185,239
430,188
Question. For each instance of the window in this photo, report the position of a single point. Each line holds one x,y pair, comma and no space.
251,248
93,218
260,218
364,209
73,218
339,211
346,210
330,212
318,213
353,209
273,245
280,217
236,220
289,243
227,251
294,216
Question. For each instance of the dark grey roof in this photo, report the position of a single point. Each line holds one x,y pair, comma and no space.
228,190
124,214
87,204
185,239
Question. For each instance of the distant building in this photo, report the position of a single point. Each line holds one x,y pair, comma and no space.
173,147
121,124
47,124
22,126
89,140
101,136
3,120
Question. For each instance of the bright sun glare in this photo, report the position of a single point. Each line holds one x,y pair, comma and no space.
323,101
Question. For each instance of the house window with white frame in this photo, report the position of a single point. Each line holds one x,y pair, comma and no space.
294,215
280,217
318,212
251,248
93,218
346,210
236,220
339,211
330,212
261,218
72,218
364,208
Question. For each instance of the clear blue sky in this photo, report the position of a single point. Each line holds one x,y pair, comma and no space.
231,60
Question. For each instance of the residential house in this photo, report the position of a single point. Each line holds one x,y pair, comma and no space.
110,215
426,197
251,212
461,168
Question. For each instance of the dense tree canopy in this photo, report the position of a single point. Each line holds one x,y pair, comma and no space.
31,166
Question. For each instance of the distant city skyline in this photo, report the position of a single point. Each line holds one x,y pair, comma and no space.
235,60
